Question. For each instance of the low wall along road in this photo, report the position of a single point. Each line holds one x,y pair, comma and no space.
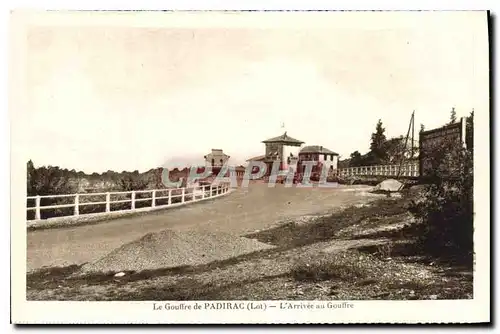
243,211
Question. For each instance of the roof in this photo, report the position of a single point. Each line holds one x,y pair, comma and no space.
316,149
257,158
216,153
285,139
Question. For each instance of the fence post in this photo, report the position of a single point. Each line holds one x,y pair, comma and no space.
211,191
108,196
169,196
77,204
183,195
203,189
153,199
132,195
37,205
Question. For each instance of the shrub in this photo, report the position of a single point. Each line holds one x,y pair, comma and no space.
446,208
326,269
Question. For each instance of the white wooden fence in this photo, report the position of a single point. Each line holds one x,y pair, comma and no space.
173,197
407,170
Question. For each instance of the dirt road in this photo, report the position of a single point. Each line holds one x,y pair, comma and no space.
243,211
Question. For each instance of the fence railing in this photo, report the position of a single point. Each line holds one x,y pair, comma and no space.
407,170
76,204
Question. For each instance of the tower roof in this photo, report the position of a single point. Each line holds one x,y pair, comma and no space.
216,153
284,139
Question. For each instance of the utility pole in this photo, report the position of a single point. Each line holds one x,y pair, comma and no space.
411,127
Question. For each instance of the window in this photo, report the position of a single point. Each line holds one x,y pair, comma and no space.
331,157
213,161
325,157
221,162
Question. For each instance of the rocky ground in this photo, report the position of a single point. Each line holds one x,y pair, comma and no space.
361,252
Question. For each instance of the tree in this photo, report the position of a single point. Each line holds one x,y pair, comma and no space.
422,127
30,176
469,132
377,150
46,181
132,181
394,150
453,116
355,159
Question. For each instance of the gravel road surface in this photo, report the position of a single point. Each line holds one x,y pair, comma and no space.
243,211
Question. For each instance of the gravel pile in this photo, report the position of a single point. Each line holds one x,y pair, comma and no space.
390,185
171,249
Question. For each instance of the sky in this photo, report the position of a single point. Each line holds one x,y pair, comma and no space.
134,97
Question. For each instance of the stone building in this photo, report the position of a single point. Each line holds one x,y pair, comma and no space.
320,155
216,159
283,149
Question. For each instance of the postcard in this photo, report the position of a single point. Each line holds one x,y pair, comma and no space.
211,167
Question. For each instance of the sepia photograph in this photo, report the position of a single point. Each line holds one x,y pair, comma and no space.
267,162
